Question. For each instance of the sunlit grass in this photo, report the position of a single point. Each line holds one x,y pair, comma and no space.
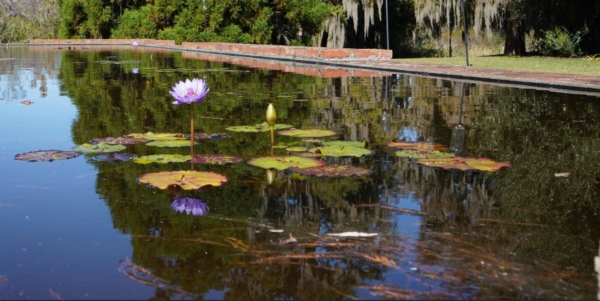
540,64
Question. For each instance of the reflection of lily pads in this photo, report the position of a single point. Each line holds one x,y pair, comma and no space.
340,151
307,133
285,162
101,147
169,143
114,157
158,136
119,140
418,154
162,159
46,155
419,145
216,159
307,154
361,144
461,163
186,179
209,136
263,127
332,170
311,140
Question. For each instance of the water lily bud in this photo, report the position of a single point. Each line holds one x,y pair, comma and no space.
271,175
271,115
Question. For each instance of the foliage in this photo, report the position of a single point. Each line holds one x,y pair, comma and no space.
185,179
135,24
23,20
559,42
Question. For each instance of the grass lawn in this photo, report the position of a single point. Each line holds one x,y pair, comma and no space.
540,64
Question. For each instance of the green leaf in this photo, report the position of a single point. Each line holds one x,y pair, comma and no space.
162,159
332,170
418,154
101,147
296,149
307,133
46,155
169,143
186,179
158,136
340,151
263,127
284,162
216,159
119,140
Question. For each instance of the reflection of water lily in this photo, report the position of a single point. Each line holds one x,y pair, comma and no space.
135,70
189,206
189,91
134,44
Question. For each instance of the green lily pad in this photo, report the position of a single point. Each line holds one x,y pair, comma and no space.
419,145
418,154
46,155
169,143
209,136
186,179
360,144
101,147
175,158
216,159
312,133
284,162
461,163
340,151
263,127
114,157
119,140
296,149
332,170
158,136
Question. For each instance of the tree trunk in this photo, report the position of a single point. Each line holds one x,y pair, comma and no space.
514,44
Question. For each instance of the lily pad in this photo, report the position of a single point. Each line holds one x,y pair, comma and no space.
263,127
419,145
418,154
158,136
296,149
186,179
285,162
311,133
332,170
101,147
169,143
340,151
346,143
461,163
119,140
216,159
175,158
114,157
307,155
46,155
209,136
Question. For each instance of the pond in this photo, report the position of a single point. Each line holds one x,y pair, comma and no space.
87,228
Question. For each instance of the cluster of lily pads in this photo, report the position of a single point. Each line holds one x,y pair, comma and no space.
438,155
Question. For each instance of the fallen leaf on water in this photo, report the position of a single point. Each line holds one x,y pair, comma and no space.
562,174
353,234
27,102
290,240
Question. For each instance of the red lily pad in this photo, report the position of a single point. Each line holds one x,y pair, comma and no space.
215,159
209,135
46,155
419,145
186,179
119,140
311,133
332,170
462,163
285,162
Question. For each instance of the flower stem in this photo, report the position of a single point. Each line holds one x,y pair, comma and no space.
192,135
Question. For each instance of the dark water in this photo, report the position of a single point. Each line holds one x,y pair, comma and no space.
84,229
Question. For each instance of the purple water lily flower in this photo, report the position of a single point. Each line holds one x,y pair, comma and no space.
134,44
190,206
189,91
135,70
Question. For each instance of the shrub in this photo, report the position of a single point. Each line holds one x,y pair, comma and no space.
559,42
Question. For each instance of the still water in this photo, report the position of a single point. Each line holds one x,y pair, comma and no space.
86,229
